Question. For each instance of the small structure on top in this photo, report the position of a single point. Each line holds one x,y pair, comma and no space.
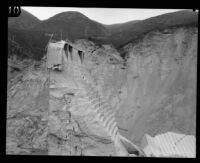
62,51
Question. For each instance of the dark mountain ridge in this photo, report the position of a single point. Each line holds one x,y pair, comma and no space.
24,21
161,22
74,25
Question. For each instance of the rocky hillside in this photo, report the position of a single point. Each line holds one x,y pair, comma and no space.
27,110
160,84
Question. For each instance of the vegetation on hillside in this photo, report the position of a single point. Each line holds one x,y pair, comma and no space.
24,21
74,25
176,19
32,42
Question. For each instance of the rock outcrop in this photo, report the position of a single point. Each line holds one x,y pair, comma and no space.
161,84
27,112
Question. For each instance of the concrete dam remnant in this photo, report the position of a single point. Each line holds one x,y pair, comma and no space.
58,50
87,99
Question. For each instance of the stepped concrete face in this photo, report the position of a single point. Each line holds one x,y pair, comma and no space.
87,135
102,117
100,124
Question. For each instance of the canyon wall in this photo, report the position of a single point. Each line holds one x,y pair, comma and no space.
152,91
160,87
27,111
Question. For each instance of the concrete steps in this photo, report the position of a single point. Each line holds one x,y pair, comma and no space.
102,109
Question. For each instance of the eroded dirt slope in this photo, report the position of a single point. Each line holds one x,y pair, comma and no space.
27,112
161,84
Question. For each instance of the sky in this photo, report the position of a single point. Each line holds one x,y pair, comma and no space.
102,15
